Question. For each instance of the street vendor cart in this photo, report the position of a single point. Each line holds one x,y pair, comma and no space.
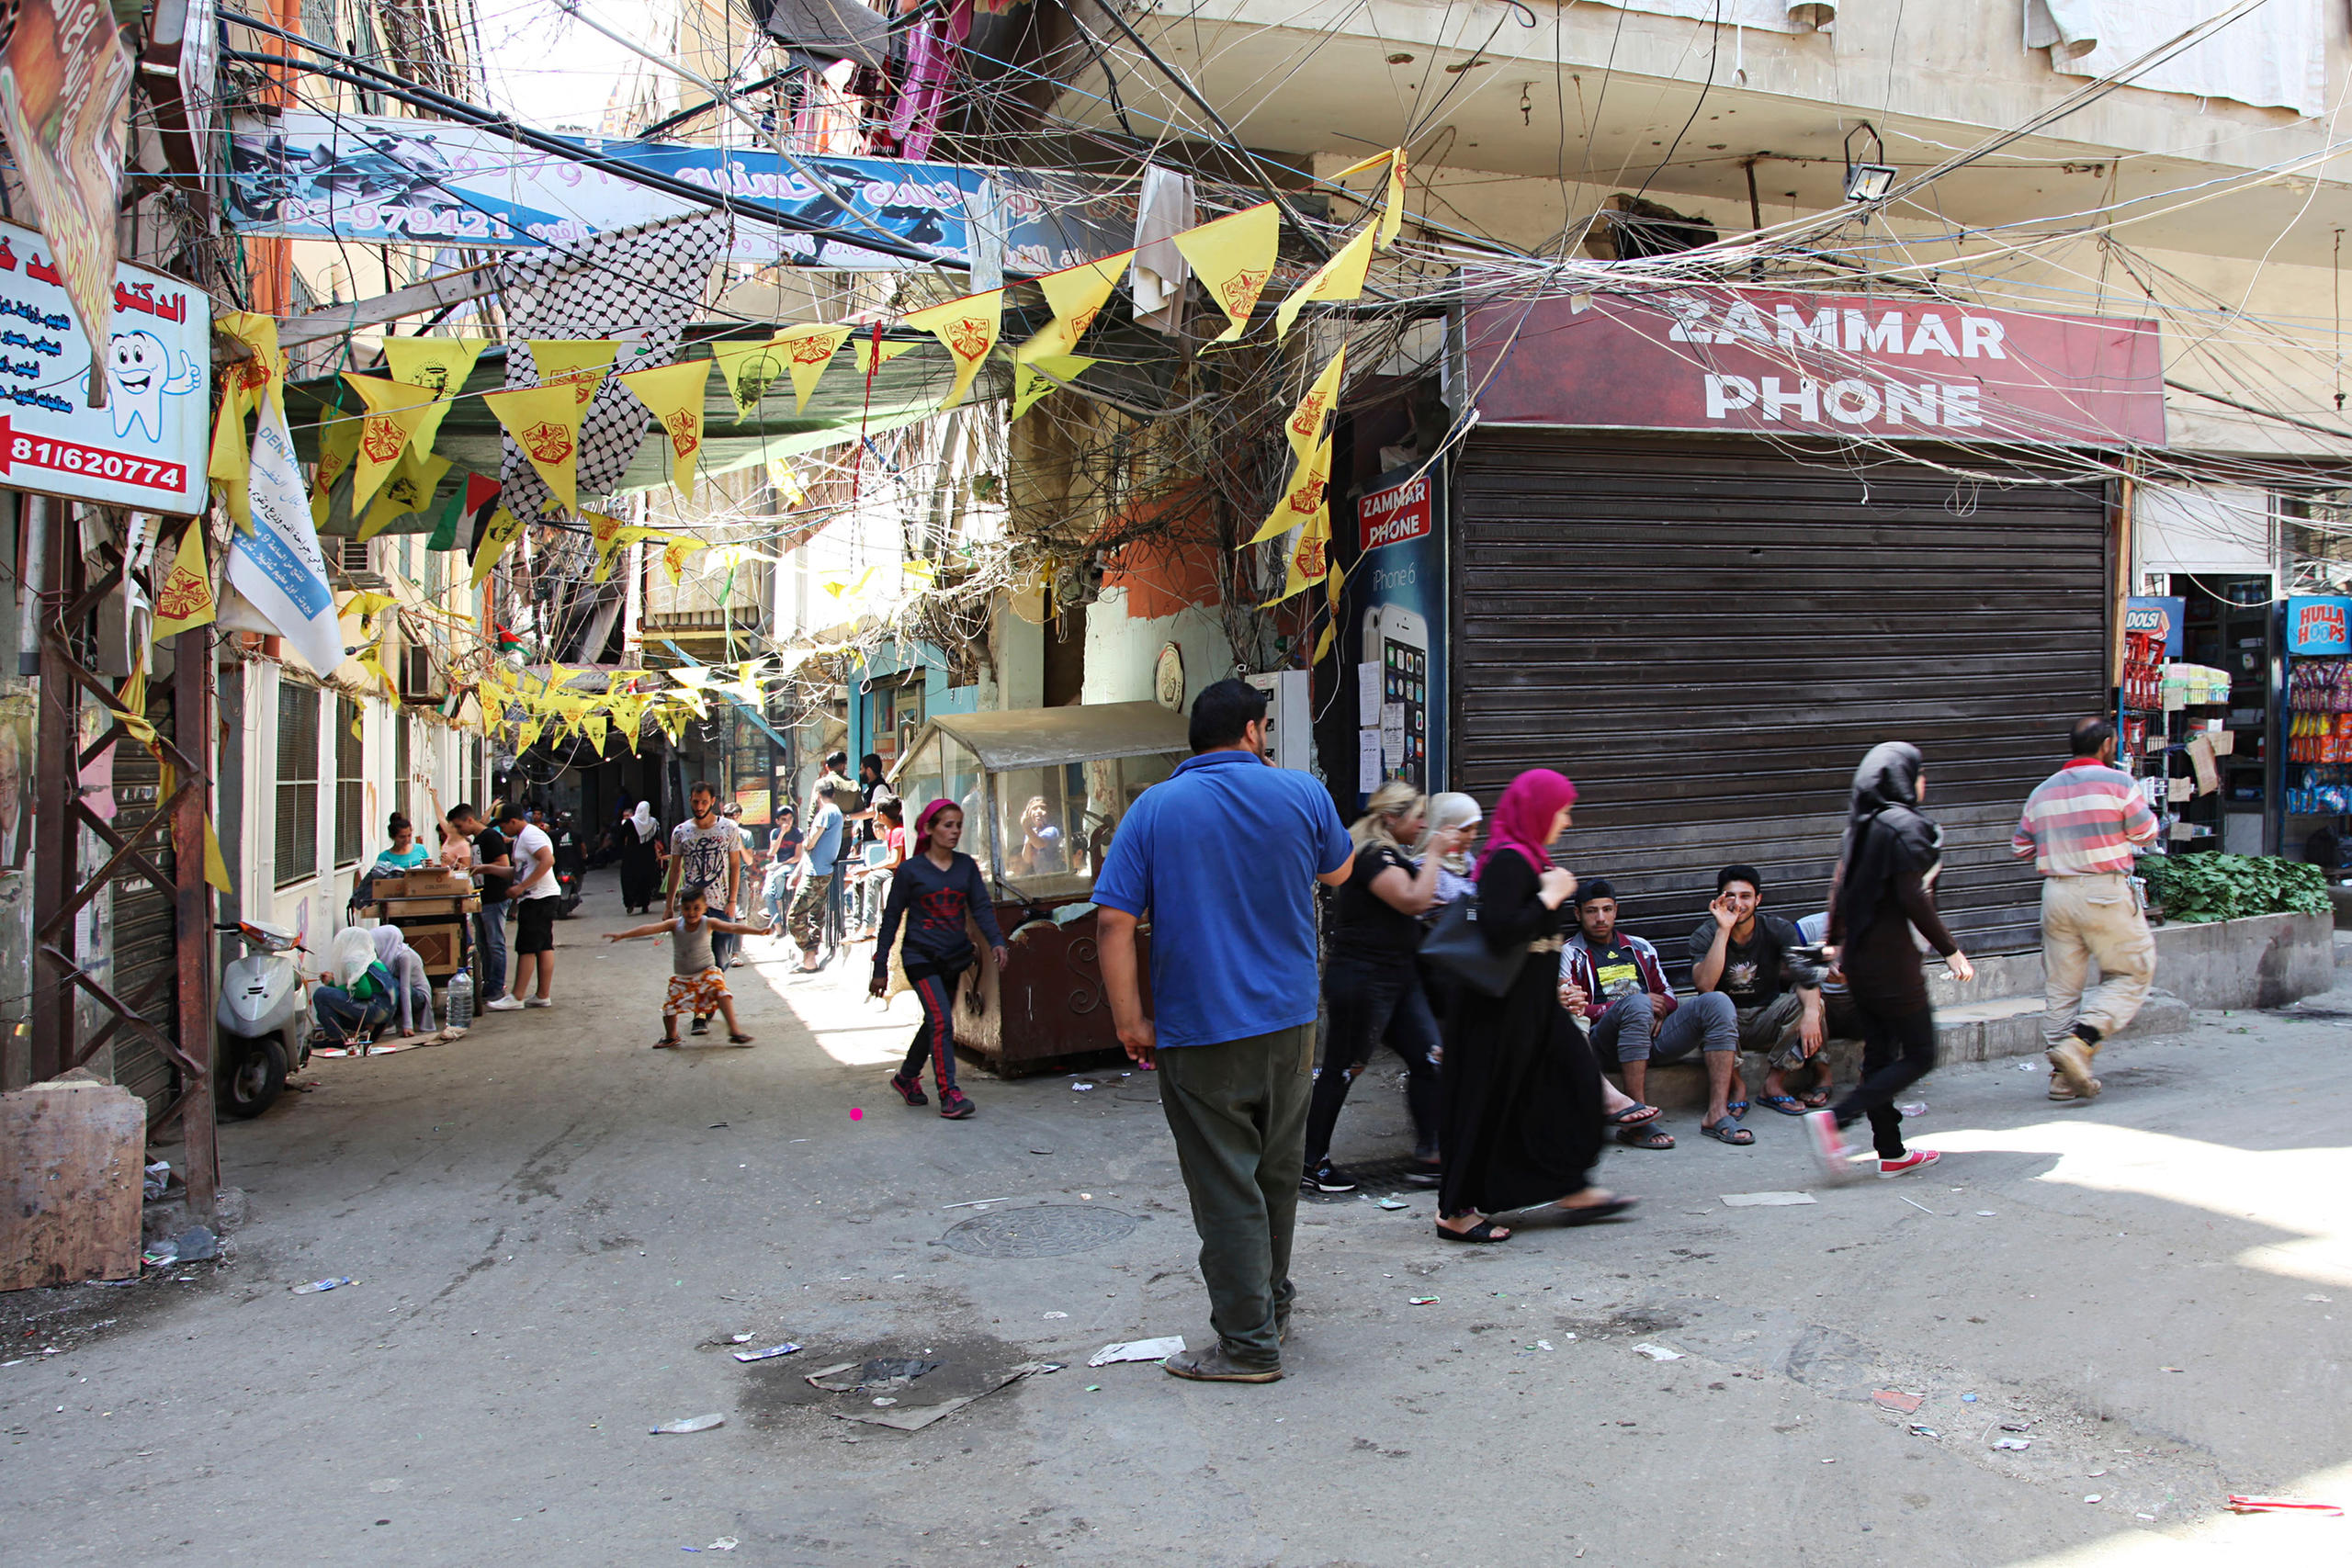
1043,791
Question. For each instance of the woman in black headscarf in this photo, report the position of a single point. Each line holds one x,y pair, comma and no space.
1880,893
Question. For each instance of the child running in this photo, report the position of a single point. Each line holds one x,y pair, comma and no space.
697,984
934,891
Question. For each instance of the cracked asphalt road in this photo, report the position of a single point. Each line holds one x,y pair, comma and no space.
557,1237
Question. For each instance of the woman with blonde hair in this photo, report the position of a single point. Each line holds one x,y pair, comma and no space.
1372,985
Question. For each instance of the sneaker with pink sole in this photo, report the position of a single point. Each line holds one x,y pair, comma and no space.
1917,1159
1828,1145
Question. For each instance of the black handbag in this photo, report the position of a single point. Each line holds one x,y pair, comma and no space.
1457,947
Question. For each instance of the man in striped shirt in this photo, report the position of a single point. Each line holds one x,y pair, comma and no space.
2080,826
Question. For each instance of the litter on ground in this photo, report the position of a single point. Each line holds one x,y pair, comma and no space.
1137,1350
1766,1199
1656,1352
768,1354
690,1423
1895,1399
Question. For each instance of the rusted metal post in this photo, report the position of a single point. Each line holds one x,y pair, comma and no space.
56,836
192,678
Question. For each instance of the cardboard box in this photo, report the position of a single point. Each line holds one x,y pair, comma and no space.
425,883
437,945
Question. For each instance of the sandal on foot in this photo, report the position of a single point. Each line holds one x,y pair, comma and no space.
1738,1108
667,1043
1814,1099
1645,1138
1633,1115
1786,1104
1593,1214
738,1039
1481,1235
1729,1131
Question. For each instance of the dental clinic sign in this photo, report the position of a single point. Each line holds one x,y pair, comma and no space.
146,448
1758,360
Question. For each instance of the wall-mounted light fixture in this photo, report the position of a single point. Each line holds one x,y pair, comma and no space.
1872,181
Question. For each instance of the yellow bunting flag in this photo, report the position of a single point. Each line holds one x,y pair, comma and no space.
1233,258
529,734
749,368
967,329
409,490
807,350
674,557
1076,295
338,444
544,422
372,662
593,727
576,362
185,598
1303,501
438,365
393,411
1305,426
231,463
1332,586
130,711
673,394
263,376
865,347
606,531
502,529
1392,207
1309,559
1341,277
216,864
1028,385
786,483
629,718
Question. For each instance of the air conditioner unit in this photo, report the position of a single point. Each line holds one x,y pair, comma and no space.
418,679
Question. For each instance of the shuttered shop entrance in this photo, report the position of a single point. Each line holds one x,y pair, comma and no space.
1707,636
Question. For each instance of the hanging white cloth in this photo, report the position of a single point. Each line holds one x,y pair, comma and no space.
2068,28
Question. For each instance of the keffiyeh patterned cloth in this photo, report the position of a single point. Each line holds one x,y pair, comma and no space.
639,286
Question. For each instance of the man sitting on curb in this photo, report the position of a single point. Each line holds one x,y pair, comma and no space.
1615,982
1840,1022
1740,953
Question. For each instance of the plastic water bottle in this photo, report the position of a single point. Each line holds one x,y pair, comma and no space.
461,1003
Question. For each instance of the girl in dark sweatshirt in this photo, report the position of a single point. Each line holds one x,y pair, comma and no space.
934,892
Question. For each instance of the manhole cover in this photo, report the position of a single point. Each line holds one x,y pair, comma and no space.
1047,1232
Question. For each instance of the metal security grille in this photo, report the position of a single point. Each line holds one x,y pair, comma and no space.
298,784
1707,636
350,783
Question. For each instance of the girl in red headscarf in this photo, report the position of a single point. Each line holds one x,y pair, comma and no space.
939,893
1523,1121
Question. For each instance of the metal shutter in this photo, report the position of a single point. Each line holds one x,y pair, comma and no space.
145,925
1707,636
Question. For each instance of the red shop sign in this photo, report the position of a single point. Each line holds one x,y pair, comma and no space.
1393,515
1746,359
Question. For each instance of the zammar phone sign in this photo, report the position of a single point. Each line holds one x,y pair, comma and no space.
146,448
1393,515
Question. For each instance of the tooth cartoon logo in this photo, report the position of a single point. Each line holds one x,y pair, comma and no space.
139,368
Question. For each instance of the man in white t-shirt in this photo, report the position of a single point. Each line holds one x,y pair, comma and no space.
538,896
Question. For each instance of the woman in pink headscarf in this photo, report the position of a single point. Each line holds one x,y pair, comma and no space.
1522,1122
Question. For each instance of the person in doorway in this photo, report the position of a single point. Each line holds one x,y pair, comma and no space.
537,895
1523,1118
1372,985
1040,854
933,893
1745,954
411,988
641,835
1881,894
697,983
2081,826
1614,981
492,860
809,905
1223,856
703,855
890,839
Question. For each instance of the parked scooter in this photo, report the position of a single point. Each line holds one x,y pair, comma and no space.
264,1019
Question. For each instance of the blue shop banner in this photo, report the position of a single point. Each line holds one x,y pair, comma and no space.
2319,626
1395,631
2157,617
428,182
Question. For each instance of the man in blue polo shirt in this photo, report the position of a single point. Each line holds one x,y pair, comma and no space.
1222,857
